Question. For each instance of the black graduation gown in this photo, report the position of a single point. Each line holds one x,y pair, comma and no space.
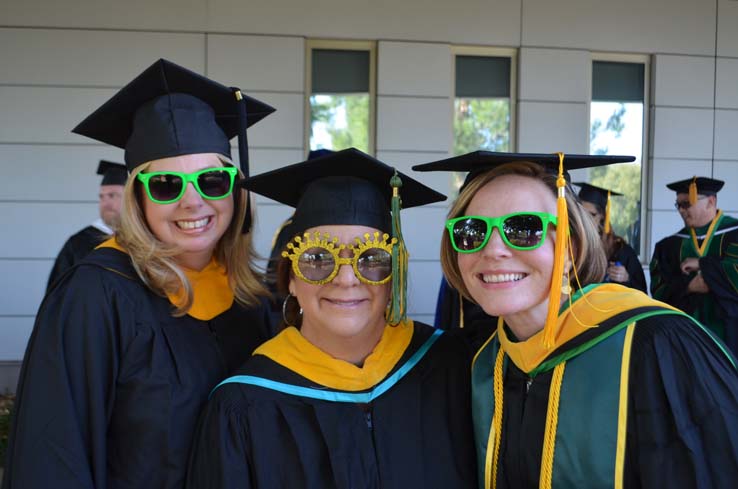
112,384
76,247
682,391
628,258
417,434
476,326
717,309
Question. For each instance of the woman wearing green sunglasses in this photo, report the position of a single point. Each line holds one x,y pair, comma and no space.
128,344
351,393
582,384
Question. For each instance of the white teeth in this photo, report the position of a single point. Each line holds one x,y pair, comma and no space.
502,277
193,224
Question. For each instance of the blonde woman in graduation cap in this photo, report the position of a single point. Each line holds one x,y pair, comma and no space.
351,393
128,343
582,384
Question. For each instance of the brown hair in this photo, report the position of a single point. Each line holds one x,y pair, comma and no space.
155,261
589,258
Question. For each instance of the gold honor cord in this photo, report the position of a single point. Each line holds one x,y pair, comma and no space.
708,236
495,434
552,421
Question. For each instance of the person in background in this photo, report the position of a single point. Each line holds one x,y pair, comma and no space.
583,384
128,344
623,265
110,199
351,393
696,269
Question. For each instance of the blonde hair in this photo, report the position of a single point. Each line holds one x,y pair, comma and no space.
155,261
588,256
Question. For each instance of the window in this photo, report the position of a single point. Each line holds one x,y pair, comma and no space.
341,95
617,126
483,102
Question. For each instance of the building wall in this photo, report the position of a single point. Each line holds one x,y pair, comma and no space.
63,59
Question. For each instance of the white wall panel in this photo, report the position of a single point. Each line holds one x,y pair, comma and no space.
682,133
467,21
555,75
728,172
269,218
422,228
46,114
726,96
684,81
550,127
45,227
727,31
165,15
663,224
23,283
264,160
92,58
726,133
265,63
281,129
405,123
14,332
668,170
417,69
49,172
404,161
424,278
661,26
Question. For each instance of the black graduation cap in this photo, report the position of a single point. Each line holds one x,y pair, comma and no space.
169,111
342,187
477,162
705,186
594,194
113,173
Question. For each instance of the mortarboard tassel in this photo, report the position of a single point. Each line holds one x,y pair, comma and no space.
693,191
243,152
607,214
398,306
557,277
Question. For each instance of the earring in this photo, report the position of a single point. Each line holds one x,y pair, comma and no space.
284,308
565,287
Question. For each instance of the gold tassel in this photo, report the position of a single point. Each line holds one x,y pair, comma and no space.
693,191
557,276
607,214
397,312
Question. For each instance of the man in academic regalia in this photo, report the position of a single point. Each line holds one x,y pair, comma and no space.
696,269
110,199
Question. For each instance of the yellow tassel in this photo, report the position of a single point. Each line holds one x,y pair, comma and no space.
607,214
557,277
693,191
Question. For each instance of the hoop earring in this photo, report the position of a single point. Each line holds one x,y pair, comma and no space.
284,308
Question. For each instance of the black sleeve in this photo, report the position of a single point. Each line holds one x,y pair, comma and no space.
683,408
636,277
219,456
66,389
64,261
668,283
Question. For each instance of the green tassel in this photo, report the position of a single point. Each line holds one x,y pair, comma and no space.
398,306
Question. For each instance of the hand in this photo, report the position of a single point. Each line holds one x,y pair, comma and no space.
698,285
690,265
617,273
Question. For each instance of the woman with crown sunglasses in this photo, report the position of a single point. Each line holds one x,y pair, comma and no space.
128,344
582,384
351,393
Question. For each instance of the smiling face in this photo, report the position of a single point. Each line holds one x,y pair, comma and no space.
344,311
503,281
700,213
193,223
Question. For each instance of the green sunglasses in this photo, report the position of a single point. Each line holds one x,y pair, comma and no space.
165,187
519,230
